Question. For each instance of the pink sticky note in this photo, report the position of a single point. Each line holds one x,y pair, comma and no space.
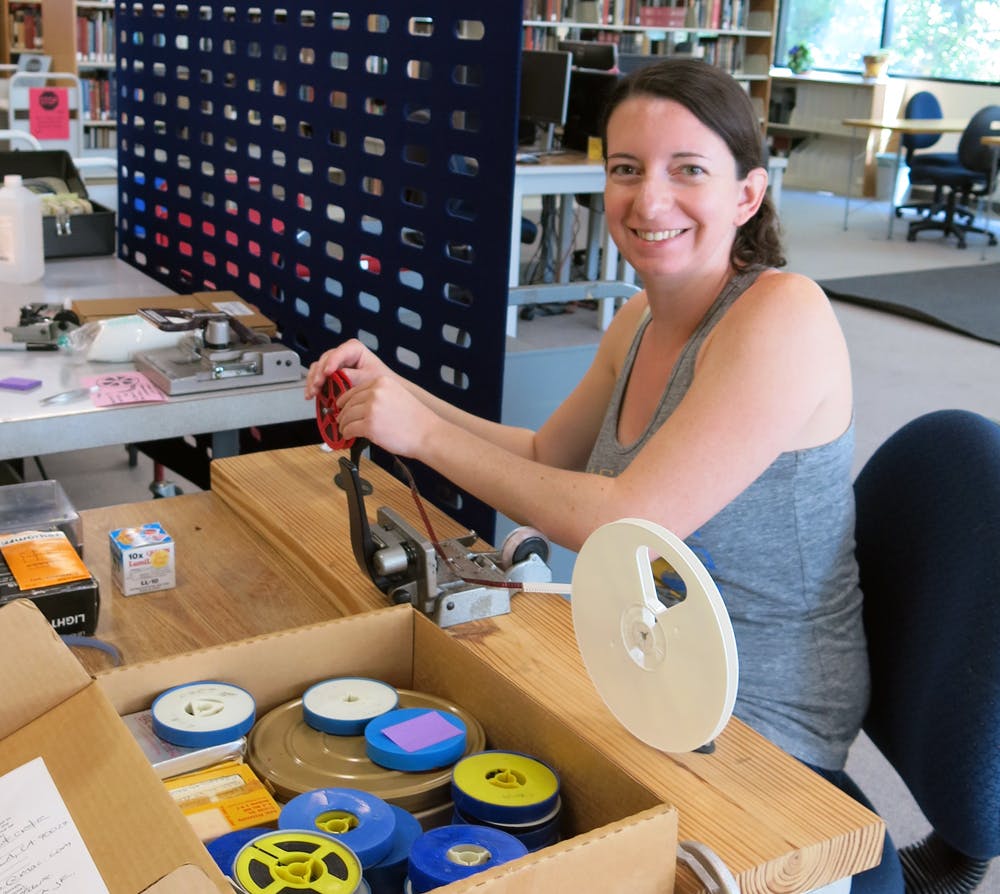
422,731
48,112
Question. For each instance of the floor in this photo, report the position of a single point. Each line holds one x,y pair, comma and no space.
902,368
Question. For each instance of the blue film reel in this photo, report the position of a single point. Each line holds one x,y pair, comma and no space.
386,752
202,714
389,875
362,821
450,853
533,836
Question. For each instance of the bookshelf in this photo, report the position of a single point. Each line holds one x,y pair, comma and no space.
805,122
737,35
79,36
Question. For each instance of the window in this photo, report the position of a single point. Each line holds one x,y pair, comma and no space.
949,39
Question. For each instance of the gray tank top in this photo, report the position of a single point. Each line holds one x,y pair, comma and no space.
782,555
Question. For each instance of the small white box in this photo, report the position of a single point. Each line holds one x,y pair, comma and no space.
142,559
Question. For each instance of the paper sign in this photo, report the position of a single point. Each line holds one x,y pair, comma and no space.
422,731
115,389
41,850
48,113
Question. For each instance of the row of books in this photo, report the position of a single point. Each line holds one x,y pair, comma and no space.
98,97
692,14
25,27
95,36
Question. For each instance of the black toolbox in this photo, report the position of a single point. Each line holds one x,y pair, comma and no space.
86,234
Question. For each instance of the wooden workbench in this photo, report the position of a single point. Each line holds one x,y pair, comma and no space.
268,548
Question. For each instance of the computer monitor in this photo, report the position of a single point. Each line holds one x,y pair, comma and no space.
597,54
588,93
545,79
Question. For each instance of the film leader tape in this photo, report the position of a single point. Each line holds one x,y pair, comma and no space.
414,740
327,410
342,706
202,714
451,853
668,674
505,788
298,861
362,821
389,875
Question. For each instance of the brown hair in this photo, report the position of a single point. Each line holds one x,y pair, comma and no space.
720,103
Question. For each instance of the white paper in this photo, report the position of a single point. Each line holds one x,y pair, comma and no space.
40,847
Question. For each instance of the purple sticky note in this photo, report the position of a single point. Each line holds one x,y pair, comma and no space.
423,731
16,383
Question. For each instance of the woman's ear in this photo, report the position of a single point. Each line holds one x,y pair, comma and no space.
752,191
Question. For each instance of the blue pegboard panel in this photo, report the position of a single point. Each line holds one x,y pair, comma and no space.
346,168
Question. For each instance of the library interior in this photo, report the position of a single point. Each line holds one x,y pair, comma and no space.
290,660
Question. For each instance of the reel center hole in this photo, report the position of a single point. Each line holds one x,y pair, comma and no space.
507,778
468,854
337,822
297,869
350,698
203,707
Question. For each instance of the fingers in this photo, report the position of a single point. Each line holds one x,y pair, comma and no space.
348,355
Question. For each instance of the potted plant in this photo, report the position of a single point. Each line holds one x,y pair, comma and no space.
876,63
800,58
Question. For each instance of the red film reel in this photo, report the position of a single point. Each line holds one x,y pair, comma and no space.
327,410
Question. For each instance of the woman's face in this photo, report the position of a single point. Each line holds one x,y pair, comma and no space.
672,198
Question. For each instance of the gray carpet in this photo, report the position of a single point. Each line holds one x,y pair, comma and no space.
962,299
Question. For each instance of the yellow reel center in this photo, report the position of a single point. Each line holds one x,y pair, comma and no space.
337,822
507,777
297,869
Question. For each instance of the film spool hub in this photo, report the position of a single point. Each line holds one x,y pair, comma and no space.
450,853
505,787
327,412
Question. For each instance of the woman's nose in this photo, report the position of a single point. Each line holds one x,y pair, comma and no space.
651,197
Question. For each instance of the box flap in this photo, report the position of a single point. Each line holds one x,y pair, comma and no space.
183,880
38,671
637,856
127,819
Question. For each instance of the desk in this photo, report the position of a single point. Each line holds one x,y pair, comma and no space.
563,175
777,826
898,126
33,429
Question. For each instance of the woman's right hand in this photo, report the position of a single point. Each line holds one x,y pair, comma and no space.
359,363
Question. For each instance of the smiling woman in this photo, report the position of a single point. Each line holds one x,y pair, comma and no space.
718,405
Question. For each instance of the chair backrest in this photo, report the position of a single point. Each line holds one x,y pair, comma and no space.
923,104
928,548
972,153
19,116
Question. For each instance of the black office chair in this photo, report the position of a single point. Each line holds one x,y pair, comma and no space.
923,105
928,549
972,177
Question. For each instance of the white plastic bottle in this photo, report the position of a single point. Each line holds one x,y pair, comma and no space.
22,254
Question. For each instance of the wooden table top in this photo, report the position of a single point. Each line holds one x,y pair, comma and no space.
777,826
911,125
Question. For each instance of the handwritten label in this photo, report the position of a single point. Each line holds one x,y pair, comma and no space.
41,850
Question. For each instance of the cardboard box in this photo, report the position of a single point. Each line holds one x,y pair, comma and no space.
88,234
90,309
623,838
52,708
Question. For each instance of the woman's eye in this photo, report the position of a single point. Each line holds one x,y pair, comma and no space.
692,170
623,170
